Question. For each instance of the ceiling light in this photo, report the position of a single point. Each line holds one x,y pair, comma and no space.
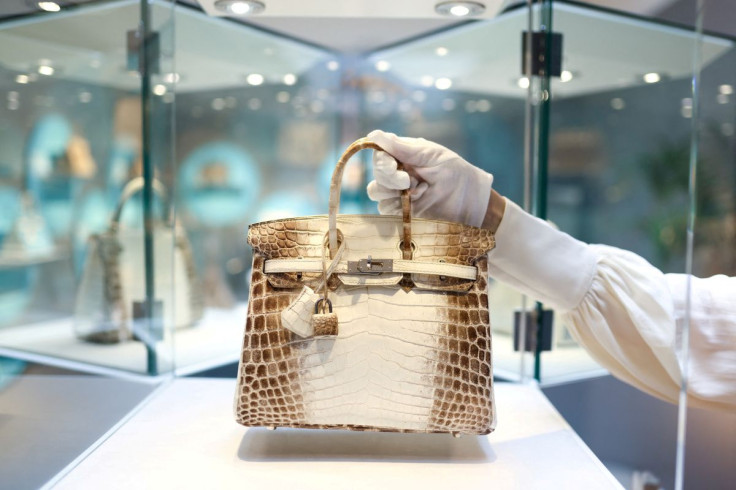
523,82
427,81
289,79
254,104
383,65
483,105
172,78
617,103
49,6
254,79
441,51
159,89
460,9
46,70
22,79
443,83
652,77
726,89
565,76
218,104
240,7
333,65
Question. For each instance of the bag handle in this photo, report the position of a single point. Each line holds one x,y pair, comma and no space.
363,144
133,187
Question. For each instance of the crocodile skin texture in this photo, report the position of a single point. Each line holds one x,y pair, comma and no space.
410,357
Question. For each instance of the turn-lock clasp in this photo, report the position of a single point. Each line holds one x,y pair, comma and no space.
370,266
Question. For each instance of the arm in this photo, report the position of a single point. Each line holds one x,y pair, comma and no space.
624,311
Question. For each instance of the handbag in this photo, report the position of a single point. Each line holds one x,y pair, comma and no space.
112,290
363,322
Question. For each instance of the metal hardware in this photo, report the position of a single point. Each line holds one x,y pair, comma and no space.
371,266
539,53
138,48
316,305
534,327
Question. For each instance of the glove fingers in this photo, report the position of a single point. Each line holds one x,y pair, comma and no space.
386,173
418,191
390,206
403,148
378,192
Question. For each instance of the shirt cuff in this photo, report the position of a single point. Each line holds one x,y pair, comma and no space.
546,264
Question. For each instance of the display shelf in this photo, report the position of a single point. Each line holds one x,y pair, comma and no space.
215,341
185,437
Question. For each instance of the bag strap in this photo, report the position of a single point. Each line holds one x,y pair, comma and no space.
132,188
363,144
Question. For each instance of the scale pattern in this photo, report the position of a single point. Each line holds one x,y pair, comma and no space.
406,361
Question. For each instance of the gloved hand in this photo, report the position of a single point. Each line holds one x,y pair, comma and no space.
443,185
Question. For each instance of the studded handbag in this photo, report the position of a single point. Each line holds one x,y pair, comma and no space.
112,291
364,322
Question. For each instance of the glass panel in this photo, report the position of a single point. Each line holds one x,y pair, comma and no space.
73,100
256,138
443,88
619,143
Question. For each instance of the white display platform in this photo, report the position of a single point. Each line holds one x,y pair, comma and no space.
186,438
215,341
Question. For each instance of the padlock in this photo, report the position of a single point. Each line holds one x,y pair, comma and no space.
324,324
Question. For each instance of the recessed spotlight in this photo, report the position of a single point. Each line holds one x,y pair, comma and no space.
443,83
441,51
565,76
22,79
652,77
159,89
289,79
483,105
523,82
254,104
726,89
47,70
427,81
218,104
383,65
49,6
240,7
617,103
333,65
172,78
460,9
254,79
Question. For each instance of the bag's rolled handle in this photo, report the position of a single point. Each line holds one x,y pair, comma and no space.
363,144
131,189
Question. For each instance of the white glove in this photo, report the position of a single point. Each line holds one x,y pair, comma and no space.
443,185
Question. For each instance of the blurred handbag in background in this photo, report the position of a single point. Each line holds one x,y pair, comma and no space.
364,322
112,292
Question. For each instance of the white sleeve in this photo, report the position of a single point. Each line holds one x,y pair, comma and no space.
623,310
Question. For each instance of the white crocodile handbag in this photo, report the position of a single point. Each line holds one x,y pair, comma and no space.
113,279
365,322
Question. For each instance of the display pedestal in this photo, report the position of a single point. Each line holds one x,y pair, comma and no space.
185,437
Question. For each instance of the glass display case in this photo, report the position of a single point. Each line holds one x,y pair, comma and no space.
138,139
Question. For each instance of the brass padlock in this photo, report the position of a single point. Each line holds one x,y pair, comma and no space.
324,324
